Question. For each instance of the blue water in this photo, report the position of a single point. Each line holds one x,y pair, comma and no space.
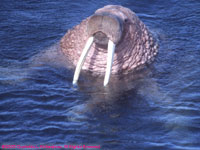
157,108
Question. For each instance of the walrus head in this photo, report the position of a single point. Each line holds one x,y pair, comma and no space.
112,32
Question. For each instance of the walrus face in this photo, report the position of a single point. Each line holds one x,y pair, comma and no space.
103,29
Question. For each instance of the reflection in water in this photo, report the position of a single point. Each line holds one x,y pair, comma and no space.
136,99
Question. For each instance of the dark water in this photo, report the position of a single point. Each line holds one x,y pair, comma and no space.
158,109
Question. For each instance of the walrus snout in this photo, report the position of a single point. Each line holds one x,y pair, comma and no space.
104,27
101,38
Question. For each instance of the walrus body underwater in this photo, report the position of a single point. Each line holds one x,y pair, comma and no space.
112,41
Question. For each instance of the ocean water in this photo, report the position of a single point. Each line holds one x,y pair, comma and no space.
156,108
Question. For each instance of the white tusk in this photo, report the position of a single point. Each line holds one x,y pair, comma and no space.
111,51
82,59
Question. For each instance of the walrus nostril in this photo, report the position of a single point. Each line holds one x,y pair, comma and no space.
101,38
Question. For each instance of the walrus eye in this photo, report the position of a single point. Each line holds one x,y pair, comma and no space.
126,20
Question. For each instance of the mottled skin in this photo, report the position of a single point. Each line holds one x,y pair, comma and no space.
135,47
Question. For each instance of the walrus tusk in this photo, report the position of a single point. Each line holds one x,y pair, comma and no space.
111,51
82,59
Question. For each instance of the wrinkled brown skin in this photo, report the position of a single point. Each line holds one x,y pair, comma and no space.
135,48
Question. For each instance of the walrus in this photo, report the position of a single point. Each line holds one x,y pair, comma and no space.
112,41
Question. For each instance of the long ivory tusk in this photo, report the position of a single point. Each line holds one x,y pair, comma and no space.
111,51
82,59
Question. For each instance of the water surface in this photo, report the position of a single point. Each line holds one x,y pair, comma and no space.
159,108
